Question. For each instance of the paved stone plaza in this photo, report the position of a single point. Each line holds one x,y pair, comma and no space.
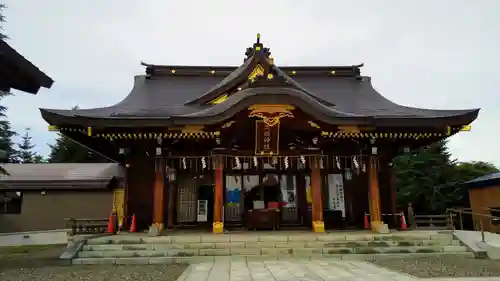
226,269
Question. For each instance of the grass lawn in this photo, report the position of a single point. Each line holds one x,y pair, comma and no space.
30,255
24,249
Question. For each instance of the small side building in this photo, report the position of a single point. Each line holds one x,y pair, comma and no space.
41,196
484,196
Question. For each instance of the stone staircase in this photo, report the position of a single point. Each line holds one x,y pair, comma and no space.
192,248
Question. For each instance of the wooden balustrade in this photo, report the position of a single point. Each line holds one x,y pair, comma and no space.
87,226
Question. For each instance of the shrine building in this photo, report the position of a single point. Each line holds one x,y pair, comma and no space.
258,146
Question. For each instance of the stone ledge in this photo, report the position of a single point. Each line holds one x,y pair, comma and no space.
198,259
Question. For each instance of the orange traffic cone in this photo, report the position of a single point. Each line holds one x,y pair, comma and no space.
366,223
133,227
403,221
111,225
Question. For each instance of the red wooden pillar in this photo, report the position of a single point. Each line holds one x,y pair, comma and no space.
374,193
218,224
159,186
317,197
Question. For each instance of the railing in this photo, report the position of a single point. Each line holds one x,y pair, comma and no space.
87,226
483,220
432,222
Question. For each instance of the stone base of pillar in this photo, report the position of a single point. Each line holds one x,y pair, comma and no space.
318,226
218,227
379,227
155,229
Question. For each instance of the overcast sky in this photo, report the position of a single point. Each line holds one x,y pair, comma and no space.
434,54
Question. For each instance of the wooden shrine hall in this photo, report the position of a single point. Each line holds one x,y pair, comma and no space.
256,146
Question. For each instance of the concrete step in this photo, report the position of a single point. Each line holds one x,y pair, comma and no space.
292,244
267,251
123,239
197,259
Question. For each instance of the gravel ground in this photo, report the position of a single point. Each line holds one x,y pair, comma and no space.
443,266
94,273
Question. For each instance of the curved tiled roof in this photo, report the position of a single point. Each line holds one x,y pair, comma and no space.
169,98
176,95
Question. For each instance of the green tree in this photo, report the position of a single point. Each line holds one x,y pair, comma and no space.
8,153
39,159
470,170
25,151
2,20
66,150
428,179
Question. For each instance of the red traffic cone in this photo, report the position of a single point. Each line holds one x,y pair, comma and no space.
111,225
403,221
133,227
366,223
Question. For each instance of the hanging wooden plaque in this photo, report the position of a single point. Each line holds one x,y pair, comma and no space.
266,138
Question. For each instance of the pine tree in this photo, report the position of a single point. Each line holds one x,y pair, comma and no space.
2,20
8,153
25,152
66,150
428,179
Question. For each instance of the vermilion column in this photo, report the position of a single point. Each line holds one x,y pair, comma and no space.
218,224
158,192
374,193
317,197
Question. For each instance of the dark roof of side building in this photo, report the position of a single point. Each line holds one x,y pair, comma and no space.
484,181
19,73
59,176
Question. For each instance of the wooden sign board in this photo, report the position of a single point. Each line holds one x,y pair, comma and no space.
266,138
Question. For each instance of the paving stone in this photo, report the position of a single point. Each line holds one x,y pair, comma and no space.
182,252
273,238
455,249
168,246
277,251
337,251
303,237
200,246
260,244
330,237
148,253
157,240
95,261
186,239
246,251
106,254
244,238
230,245
289,245
214,252
137,247
215,238
108,247
137,260
161,260
307,251
128,240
